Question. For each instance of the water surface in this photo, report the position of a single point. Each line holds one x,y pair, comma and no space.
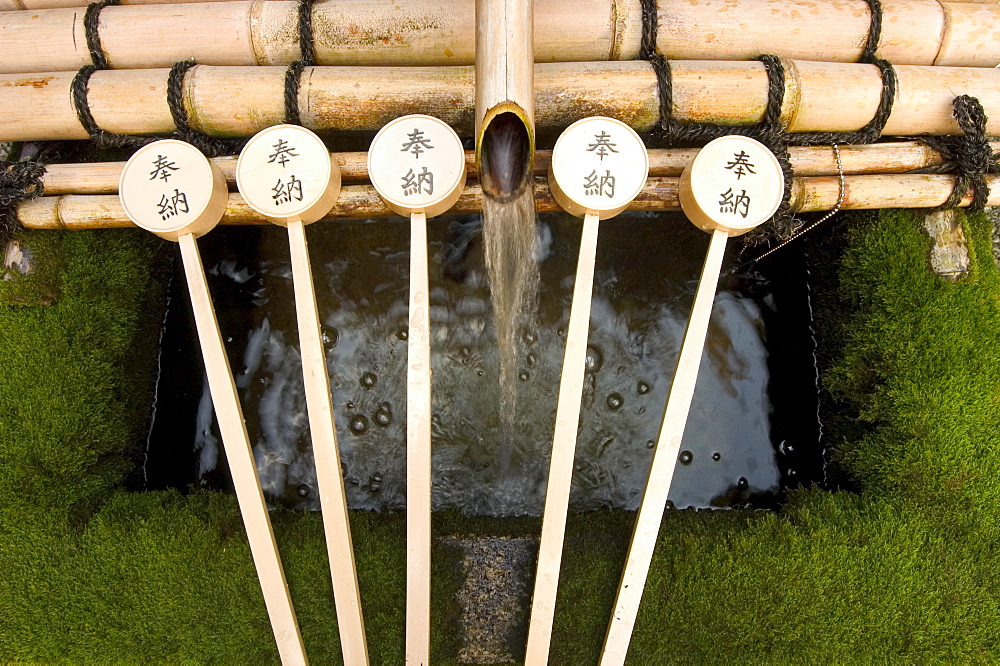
488,459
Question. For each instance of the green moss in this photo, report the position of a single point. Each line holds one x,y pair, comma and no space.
41,286
68,413
921,366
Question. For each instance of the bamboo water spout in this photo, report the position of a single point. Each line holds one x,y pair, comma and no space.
505,94
427,32
240,101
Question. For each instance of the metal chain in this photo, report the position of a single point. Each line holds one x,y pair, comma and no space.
831,213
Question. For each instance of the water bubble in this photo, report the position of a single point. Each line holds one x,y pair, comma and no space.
530,337
350,404
640,411
716,456
621,370
742,483
532,359
403,334
650,443
642,388
479,373
302,490
375,483
524,376
595,359
331,337
685,457
785,448
359,424
369,380
383,415
561,332
615,401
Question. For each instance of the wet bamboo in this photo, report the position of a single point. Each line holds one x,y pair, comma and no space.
900,157
428,32
809,194
240,101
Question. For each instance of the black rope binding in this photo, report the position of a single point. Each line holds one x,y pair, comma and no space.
19,181
91,19
210,146
768,130
81,84
650,29
874,32
872,131
307,58
102,139
80,88
969,155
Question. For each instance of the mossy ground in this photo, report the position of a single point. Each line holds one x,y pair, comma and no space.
902,570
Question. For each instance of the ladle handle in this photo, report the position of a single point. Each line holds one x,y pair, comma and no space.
241,463
418,452
550,547
330,480
654,499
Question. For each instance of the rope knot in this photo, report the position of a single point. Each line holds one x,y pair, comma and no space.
19,181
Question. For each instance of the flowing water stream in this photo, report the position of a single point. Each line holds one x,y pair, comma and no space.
753,423
510,244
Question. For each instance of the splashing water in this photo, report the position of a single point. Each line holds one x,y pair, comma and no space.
511,245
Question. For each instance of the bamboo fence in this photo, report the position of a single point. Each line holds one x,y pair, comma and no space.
239,101
13,5
429,32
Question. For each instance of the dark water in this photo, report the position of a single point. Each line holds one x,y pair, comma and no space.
752,431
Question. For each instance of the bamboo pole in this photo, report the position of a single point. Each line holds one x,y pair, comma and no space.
257,169
418,451
15,5
240,101
428,32
429,146
900,157
809,194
